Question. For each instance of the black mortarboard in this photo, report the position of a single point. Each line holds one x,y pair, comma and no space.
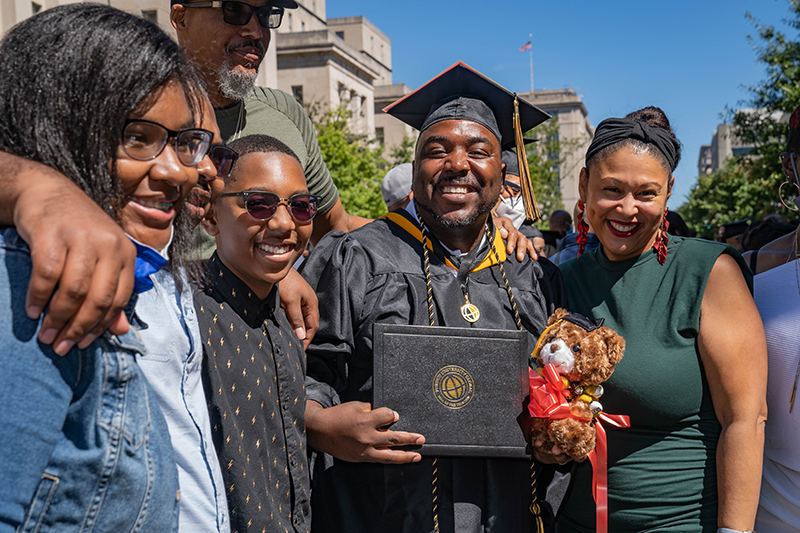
463,93
511,162
585,323
732,229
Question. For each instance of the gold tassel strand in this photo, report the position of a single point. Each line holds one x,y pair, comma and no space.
528,198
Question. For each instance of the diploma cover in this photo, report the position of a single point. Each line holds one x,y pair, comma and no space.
462,388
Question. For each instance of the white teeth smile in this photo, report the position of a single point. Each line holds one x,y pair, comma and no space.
455,190
624,228
275,249
161,206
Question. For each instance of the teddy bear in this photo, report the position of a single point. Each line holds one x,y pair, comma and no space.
564,396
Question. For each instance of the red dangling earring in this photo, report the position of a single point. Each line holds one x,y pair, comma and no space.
583,229
660,246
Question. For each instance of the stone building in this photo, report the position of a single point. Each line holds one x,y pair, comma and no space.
574,129
347,61
14,11
724,144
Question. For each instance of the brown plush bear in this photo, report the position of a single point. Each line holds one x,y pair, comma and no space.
583,354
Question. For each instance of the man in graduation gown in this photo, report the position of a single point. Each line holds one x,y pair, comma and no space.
377,274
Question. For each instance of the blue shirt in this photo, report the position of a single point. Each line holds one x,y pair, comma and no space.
172,365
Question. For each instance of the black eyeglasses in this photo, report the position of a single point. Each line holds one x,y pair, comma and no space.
143,140
239,13
262,205
223,159
512,188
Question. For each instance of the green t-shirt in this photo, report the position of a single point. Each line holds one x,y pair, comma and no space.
277,114
661,470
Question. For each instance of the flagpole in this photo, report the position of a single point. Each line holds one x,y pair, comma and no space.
531,54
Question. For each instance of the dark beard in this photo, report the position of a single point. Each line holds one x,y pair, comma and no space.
458,223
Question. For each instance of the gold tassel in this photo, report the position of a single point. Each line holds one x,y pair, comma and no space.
528,198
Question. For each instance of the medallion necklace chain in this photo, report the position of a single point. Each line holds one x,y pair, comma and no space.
534,508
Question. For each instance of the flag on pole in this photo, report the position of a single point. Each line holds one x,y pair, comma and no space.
526,46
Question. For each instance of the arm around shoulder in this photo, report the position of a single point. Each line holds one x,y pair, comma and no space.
82,263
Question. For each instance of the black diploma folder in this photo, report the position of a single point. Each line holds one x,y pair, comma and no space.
463,389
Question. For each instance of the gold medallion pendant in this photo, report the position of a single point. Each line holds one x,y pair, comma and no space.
470,312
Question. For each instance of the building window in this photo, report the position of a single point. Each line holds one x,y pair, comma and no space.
289,21
344,93
379,135
35,8
150,15
297,92
340,35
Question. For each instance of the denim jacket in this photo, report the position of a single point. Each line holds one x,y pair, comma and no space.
84,446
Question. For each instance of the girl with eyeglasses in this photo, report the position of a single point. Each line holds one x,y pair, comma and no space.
108,100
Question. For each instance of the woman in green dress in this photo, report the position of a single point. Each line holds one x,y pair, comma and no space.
693,377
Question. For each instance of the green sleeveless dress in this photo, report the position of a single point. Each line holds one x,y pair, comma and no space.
662,470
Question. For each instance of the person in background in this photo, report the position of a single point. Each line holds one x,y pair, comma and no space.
733,232
254,367
396,187
677,226
561,222
559,225
777,296
510,203
693,379
86,445
764,231
569,246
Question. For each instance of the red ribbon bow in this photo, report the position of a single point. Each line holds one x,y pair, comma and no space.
547,398
548,401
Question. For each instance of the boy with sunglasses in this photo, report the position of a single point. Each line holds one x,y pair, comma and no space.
254,365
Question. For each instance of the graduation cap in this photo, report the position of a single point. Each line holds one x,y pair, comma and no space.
463,93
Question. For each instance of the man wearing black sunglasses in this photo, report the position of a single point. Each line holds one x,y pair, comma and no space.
228,41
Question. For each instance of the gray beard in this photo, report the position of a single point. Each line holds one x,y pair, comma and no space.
235,84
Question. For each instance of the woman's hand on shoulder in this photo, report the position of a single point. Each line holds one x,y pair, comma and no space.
515,240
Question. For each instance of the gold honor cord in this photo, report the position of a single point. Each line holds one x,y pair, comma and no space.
528,198
534,508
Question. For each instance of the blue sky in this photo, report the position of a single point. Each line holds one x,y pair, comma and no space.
691,58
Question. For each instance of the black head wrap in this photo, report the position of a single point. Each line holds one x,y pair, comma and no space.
614,130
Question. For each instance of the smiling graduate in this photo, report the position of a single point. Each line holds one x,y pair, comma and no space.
377,274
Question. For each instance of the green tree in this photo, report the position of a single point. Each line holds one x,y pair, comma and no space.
403,152
757,174
732,193
355,166
545,158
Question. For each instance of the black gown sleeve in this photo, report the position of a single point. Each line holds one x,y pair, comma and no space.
337,270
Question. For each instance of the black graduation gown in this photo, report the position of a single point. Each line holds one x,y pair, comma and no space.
375,274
